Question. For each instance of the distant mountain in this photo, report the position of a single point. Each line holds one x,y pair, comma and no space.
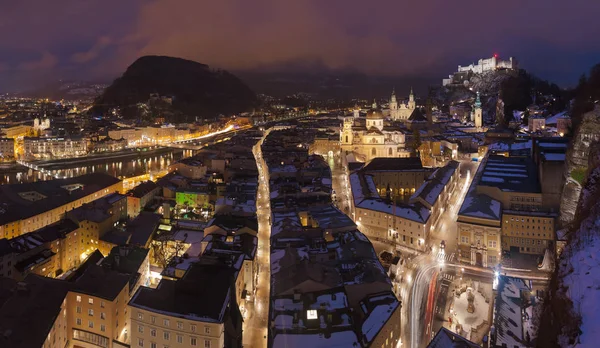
67,89
192,90
331,84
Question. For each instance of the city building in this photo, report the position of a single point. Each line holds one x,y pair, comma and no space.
34,313
511,186
35,148
7,149
512,318
108,145
140,196
31,206
536,123
402,111
198,310
385,209
445,338
397,177
372,138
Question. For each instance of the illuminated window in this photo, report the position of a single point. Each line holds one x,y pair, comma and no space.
311,314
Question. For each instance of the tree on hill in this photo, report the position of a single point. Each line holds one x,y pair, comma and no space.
587,93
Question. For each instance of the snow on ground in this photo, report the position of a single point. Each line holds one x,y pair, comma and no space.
584,282
471,320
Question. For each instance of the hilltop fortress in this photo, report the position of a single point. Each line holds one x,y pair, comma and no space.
483,65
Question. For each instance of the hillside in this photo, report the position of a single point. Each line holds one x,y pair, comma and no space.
195,89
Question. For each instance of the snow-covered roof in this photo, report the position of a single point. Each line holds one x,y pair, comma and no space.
378,316
414,212
508,320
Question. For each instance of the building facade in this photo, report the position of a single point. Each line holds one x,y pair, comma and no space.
53,147
401,111
373,139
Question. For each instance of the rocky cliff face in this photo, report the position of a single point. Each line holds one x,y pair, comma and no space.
571,313
576,169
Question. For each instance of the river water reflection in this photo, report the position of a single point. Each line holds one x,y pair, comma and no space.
121,168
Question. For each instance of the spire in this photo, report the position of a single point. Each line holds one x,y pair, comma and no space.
411,97
411,91
374,103
477,101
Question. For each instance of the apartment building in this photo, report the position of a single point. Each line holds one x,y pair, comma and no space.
28,207
198,310
53,147
140,196
7,149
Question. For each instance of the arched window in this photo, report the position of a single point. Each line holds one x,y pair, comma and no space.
390,152
346,138
374,152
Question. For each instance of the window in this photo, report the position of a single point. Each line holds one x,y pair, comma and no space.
166,322
179,339
90,300
90,324
180,325
140,342
140,329
166,335
78,321
101,304
193,341
102,315
140,316
153,319
78,309
492,243
102,327
193,328
78,298
207,330
152,345
206,344
153,332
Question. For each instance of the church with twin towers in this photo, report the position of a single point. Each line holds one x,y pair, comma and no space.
401,111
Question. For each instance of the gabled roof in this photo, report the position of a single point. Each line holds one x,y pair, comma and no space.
417,116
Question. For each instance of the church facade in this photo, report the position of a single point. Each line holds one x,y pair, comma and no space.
401,111
372,138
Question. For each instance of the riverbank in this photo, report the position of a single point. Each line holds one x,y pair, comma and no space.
101,158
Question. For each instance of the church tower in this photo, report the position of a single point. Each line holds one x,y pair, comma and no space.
394,106
346,136
411,100
356,111
477,113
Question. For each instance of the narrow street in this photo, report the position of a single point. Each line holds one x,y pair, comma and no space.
256,322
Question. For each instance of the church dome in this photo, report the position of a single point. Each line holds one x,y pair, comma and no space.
374,114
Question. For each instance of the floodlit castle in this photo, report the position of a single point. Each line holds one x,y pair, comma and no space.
402,111
372,138
484,65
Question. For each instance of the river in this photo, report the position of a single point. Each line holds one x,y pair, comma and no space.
124,166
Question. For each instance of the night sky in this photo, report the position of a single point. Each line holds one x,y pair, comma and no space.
42,40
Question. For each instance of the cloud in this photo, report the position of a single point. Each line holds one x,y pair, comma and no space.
374,37
93,52
414,38
46,61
